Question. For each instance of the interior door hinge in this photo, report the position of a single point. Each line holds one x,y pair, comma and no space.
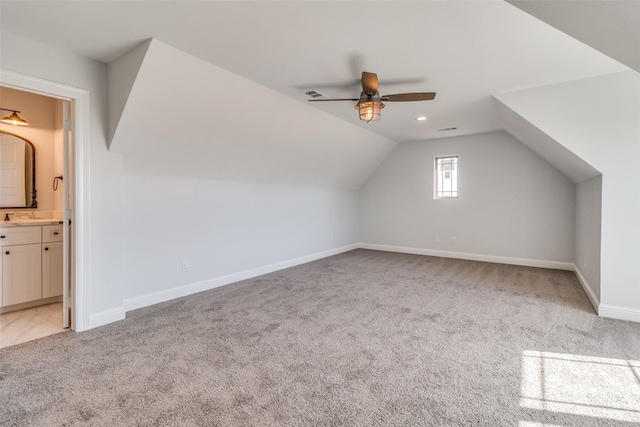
67,125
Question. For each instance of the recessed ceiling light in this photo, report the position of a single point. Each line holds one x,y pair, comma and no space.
421,118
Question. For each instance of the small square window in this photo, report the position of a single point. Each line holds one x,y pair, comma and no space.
446,177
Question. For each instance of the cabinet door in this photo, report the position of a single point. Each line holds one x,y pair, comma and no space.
51,269
21,274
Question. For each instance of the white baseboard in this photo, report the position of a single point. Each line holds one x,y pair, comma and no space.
104,317
619,312
472,257
205,285
118,313
595,301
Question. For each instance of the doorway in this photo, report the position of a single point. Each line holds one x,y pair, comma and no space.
33,197
75,125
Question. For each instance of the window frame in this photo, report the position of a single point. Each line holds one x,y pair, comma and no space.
436,180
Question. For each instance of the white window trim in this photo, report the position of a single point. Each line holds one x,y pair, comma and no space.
435,177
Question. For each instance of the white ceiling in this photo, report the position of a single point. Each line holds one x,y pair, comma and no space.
612,27
557,155
465,51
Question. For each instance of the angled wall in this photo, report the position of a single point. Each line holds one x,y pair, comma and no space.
226,175
121,75
185,117
598,120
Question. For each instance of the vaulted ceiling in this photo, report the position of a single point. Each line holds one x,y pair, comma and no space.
238,72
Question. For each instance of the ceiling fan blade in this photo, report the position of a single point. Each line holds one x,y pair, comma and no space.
407,97
369,83
334,99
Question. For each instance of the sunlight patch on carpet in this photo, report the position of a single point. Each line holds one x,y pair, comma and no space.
581,385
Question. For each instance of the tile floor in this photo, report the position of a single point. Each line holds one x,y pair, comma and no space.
30,323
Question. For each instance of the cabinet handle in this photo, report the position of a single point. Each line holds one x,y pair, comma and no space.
2,237
55,233
46,249
7,252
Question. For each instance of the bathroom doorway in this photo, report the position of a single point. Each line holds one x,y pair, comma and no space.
34,194
69,178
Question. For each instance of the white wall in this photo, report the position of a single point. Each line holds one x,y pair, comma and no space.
588,222
155,222
105,261
511,203
225,228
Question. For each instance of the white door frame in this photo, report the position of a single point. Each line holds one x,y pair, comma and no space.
80,105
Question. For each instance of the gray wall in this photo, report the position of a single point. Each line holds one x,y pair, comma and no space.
225,228
588,217
511,203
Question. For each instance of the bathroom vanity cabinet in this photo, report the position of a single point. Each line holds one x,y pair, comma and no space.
31,267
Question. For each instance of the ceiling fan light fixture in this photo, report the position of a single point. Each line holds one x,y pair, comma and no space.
369,110
14,119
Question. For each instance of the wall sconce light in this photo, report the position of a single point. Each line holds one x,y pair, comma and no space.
369,110
14,119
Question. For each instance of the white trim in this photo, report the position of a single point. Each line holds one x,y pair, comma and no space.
472,257
619,312
106,316
81,130
192,288
595,301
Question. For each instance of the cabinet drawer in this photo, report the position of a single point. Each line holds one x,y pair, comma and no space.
51,233
19,235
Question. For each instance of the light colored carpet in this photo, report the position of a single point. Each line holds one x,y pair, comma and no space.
363,338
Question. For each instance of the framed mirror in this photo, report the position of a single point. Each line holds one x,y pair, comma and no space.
17,172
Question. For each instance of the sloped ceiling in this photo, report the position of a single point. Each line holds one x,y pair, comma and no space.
238,70
596,118
612,27
557,155
466,51
186,117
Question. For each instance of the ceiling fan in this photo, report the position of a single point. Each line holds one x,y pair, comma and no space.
370,102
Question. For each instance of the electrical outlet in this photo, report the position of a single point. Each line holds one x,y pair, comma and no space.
585,262
453,240
437,239
331,238
185,266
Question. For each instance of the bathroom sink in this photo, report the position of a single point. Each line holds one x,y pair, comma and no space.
31,221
